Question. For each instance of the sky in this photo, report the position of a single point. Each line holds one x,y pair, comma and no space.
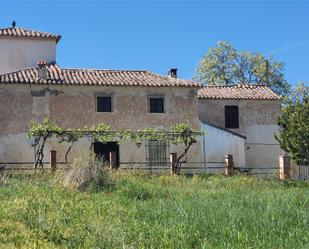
158,35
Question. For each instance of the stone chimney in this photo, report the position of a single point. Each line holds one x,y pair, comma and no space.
42,71
172,73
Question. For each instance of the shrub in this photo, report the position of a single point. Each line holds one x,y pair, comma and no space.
88,171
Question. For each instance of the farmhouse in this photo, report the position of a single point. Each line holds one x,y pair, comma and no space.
239,120
74,98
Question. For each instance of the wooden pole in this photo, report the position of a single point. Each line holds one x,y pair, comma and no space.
284,167
229,165
112,160
53,159
173,160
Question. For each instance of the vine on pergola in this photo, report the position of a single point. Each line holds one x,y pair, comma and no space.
42,132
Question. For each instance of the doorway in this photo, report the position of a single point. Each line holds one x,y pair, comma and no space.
102,150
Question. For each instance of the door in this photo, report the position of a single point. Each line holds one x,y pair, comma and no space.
103,149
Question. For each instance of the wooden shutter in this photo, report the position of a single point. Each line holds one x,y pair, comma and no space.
231,117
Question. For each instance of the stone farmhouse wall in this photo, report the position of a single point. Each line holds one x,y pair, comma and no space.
257,122
75,106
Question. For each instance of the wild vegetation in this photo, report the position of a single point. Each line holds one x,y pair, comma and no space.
294,125
142,211
86,171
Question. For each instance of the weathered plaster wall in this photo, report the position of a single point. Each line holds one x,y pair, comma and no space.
262,149
219,143
257,121
129,104
251,112
76,107
22,53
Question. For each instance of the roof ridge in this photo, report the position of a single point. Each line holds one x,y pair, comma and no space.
25,32
100,77
76,69
176,79
25,29
110,70
238,85
257,92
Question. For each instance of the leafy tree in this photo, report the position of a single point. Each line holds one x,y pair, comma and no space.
224,65
294,123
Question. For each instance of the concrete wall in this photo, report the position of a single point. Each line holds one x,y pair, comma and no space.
75,107
257,121
218,143
20,53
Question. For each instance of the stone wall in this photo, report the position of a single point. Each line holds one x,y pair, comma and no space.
257,121
75,107
251,112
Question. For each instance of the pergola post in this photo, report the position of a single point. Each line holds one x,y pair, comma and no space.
229,165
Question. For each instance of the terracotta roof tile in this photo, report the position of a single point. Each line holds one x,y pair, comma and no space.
65,76
241,91
20,32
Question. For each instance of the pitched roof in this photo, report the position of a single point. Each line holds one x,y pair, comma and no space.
27,33
90,77
240,91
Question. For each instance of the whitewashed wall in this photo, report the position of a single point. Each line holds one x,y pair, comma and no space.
262,149
220,142
18,53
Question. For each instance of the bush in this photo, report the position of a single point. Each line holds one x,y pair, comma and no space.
88,171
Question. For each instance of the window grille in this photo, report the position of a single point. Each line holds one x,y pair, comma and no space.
104,103
157,153
156,104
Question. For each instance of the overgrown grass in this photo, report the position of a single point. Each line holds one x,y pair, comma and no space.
141,211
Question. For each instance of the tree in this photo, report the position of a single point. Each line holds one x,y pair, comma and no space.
294,125
224,65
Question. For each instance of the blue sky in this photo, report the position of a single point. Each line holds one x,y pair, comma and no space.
157,35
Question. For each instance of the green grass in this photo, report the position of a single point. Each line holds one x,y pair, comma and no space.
156,212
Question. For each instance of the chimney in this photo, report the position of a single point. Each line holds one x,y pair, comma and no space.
42,72
172,73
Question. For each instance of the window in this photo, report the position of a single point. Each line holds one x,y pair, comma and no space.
104,104
156,104
157,153
231,116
